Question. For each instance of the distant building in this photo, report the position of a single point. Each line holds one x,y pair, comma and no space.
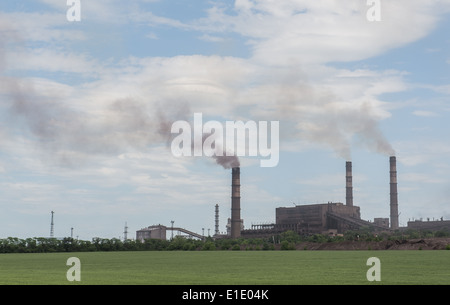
381,222
159,232
152,232
325,218
432,225
319,218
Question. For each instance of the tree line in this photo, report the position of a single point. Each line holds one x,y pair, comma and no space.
283,241
178,243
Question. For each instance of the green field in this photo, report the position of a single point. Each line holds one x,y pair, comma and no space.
228,267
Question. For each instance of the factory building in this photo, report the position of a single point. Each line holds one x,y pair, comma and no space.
327,218
430,225
160,232
152,232
319,218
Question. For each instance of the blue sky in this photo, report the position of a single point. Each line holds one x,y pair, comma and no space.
83,105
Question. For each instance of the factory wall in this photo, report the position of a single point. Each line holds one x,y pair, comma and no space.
152,232
429,225
314,218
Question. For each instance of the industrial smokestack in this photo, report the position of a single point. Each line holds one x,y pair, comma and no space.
394,194
236,202
349,185
217,220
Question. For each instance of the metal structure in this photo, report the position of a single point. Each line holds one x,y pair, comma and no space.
159,232
189,233
52,232
217,220
125,233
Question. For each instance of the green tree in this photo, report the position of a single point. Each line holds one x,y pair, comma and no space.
290,236
285,245
209,246
177,243
236,247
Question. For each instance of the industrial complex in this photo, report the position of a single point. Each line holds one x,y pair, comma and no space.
329,218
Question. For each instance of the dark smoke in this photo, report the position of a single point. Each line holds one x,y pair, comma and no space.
70,135
227,162
318,116
166,118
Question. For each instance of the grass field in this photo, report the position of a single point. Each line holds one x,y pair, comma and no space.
228,267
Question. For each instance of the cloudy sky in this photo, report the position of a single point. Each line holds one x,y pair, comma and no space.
86,109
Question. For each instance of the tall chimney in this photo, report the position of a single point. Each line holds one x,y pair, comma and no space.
349,185
394,194
217,220
236,202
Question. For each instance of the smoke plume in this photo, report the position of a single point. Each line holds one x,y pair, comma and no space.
306,112
221,157
227,162
317,115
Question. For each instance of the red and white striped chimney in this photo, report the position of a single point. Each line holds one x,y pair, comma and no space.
349,185
236,202
394,193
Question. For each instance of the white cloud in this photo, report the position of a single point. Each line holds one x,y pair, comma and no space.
325,31
445,89
414,153
425,113
47,60
41,27
422,178
152,35
210,38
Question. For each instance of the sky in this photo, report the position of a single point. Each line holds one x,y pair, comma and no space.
86,109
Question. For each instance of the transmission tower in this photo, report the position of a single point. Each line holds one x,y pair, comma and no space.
125,232
51,227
